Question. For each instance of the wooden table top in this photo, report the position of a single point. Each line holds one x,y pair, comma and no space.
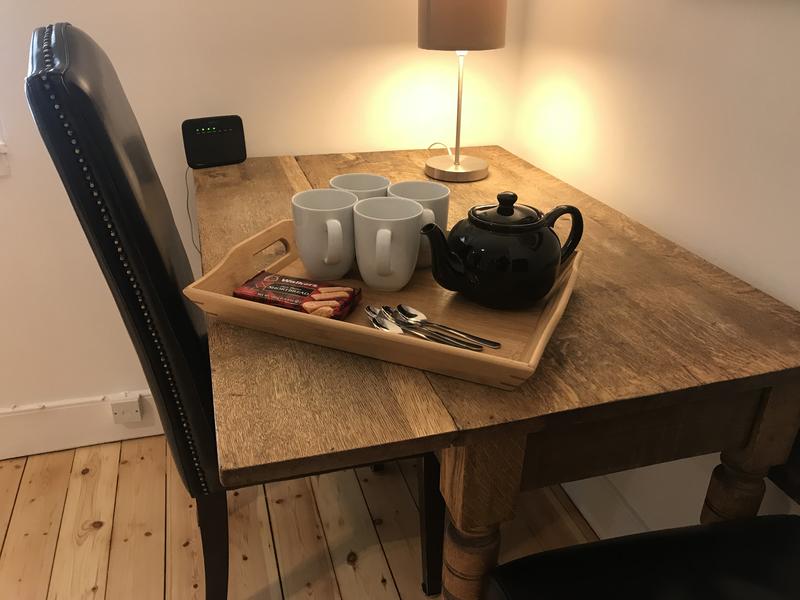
648,323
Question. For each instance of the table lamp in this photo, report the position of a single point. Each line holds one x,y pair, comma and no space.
460,25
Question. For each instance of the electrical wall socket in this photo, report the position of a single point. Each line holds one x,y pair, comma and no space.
126,407
5,167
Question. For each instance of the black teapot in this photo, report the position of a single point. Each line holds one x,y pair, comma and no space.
503,255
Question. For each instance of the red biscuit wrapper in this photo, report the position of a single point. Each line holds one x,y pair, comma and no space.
326,300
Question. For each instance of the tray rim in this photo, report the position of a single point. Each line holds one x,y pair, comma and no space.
283,231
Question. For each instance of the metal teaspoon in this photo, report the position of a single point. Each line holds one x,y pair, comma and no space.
415,316
457,340
381,321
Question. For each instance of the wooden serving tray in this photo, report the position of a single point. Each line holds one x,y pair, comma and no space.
523,333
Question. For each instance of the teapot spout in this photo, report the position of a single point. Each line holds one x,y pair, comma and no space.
447,268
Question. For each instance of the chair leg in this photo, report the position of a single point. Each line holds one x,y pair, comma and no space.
212,517
431,523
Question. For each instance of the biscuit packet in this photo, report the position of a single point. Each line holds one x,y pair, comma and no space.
326,300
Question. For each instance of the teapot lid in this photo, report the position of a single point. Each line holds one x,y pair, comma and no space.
506,216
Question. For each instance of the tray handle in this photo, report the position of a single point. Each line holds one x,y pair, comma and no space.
241,261
283,232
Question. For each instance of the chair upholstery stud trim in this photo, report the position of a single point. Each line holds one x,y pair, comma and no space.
48,65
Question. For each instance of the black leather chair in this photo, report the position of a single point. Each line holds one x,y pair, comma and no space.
97,147
750,559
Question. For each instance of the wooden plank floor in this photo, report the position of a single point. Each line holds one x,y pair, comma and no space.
114,521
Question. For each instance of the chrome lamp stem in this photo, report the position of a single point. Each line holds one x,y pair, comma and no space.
457,167
461,54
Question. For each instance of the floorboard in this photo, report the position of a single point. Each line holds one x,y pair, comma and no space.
27,558
548,521
303,557
10,476
114,521
253,565
184,552
139,529
80,566
397,523
408,467
358,559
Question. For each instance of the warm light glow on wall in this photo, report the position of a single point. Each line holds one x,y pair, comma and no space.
556,119
415,105
415,96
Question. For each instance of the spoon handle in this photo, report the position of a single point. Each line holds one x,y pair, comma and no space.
469,336
453,341
440,338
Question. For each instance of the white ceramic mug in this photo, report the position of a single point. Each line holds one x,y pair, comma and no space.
323,231
435,200
363,185
387,241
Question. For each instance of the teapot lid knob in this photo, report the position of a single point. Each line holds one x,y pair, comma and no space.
506,216
506,200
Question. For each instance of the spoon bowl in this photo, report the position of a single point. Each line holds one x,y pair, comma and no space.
409,312
384,324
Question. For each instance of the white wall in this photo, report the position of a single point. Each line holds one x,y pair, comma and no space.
684,115
306,76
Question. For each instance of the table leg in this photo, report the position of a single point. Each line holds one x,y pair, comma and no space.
480,484
737,484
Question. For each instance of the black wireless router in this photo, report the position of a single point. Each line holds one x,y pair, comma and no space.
214,141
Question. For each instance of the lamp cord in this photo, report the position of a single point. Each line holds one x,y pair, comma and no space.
189,212
443,145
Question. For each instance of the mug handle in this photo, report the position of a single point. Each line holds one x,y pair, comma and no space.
427,217
575,232
383,243
334,253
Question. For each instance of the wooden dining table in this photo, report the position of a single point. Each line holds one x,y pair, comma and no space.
660,355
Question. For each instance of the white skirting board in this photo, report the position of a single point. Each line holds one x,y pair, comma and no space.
656,497
33,429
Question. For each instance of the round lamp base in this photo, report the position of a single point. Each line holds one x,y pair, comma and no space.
470,168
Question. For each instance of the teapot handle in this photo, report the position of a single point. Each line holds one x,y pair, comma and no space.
575,232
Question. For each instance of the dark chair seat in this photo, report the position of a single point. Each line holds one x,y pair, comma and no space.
750,559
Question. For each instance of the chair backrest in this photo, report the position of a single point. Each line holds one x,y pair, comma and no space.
95,142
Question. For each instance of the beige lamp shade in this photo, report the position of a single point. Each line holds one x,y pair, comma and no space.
462,24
